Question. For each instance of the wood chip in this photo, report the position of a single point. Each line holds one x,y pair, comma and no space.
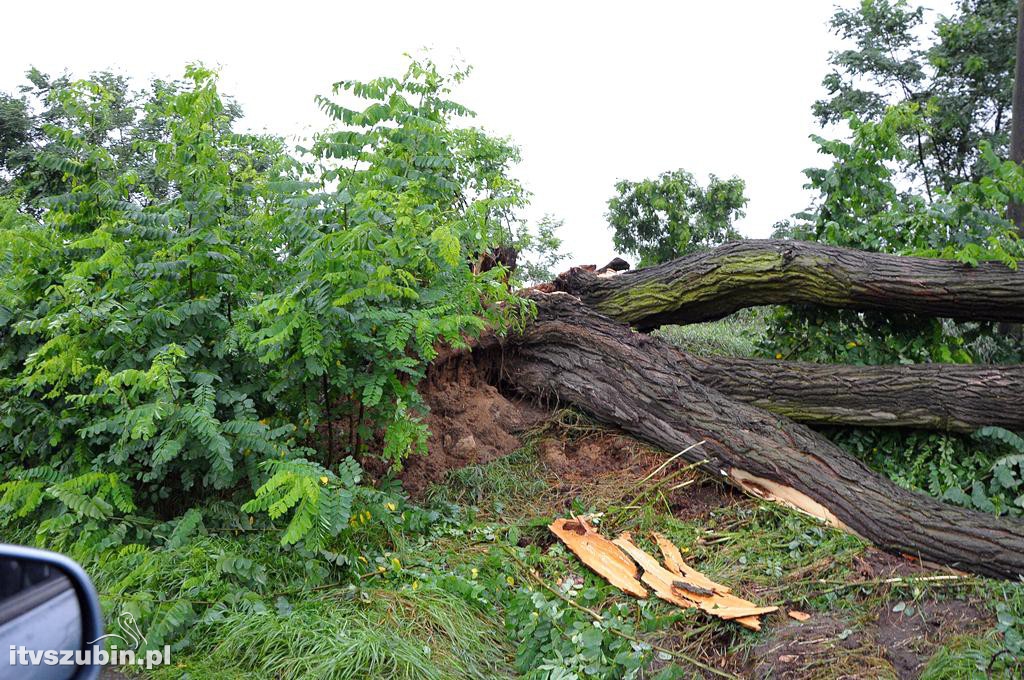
674,562
679,583
798,615
660,579
598,553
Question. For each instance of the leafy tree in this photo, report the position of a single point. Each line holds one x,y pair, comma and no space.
375,246
123,355
962,82
672,215
540,250
121,120
183,310
860,203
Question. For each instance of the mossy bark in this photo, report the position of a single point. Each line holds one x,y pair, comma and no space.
710,285
572,355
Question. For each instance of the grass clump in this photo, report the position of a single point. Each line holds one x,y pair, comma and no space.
355,632
737,335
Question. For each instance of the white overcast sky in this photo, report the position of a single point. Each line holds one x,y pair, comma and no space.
592,92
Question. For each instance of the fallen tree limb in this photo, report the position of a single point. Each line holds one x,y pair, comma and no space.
573,355
710,285
954,398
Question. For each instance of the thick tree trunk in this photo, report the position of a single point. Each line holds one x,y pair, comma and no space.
1015,210
954,398
711,285
636,382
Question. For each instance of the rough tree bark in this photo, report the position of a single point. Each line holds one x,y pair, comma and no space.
710,285
573,355
953,398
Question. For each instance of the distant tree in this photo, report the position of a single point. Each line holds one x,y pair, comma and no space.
119,119
962,81
540,250
672,215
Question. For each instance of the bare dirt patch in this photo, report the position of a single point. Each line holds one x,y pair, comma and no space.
894,644
820,647
876,564
908,640
470,421
604,467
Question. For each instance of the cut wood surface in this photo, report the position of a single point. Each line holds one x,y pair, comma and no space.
574,356
713,284
955,398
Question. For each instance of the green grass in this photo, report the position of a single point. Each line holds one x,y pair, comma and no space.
367,633
734,336
474,594
963,658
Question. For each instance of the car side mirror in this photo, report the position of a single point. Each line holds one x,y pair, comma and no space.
50,618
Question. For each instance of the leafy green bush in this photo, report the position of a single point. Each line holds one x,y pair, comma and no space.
390,205
187,319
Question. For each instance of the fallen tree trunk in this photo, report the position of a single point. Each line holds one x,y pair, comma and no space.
953,398
710,285
573,355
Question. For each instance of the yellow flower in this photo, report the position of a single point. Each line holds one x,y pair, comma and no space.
324,480
779,355
475,572
851,344
396,563
363,559
390,506
415,585
509,580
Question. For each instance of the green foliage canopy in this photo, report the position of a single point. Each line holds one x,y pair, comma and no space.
184,313
672,215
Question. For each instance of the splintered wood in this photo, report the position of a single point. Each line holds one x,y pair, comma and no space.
675,582
598,553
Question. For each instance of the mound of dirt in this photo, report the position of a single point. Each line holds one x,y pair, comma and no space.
470,421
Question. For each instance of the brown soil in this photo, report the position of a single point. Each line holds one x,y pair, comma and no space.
807,650
894,644
876,564
603,467
470,421
909,639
